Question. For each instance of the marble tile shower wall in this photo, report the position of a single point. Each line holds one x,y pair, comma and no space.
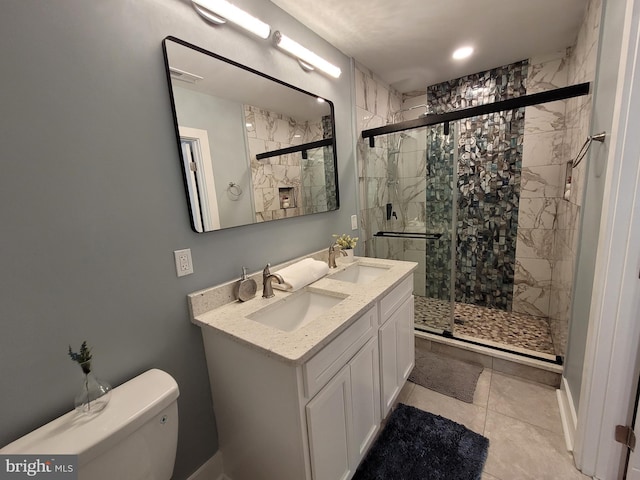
314,172
488,182
375,103
384,178
541,187
283,175
580,67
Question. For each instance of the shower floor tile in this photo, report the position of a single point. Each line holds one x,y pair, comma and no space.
498,326
432,313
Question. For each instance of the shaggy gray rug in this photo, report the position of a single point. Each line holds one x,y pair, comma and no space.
418,445
445,375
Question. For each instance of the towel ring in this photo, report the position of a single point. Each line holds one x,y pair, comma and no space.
234,190
598,137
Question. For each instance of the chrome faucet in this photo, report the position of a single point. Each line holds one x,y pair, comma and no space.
332,254
267,277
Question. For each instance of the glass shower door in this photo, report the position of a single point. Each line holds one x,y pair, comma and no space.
409,178
435,308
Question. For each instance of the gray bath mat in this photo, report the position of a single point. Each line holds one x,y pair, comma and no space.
418,445
445,375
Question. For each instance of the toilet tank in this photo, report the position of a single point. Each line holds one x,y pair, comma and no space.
133,438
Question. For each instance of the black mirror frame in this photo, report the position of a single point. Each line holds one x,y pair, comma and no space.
256,72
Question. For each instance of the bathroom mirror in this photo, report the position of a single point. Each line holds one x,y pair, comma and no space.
252,148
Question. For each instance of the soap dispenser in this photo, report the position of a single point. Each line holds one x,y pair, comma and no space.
246,287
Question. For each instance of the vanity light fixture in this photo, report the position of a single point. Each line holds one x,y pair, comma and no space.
307,59
184,76
219,11
462,52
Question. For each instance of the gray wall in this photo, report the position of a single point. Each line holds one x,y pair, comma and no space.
92,202
228,148
602,120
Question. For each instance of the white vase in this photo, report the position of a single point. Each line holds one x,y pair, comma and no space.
349,258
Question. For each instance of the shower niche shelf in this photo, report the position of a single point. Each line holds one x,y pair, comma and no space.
287,197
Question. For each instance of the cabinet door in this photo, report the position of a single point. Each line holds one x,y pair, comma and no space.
406,349
397,352
329,426
365,392
388,364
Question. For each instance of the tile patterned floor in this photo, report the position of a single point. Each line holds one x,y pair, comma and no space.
431,312
498,326
521,419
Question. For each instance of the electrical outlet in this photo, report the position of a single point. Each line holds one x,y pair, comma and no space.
354,222
184,265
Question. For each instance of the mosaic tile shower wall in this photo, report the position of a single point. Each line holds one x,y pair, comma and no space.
488,185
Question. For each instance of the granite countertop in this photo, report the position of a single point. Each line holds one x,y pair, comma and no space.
299,345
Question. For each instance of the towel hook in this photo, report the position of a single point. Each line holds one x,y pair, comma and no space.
598,137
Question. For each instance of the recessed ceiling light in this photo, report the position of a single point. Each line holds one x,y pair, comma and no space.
462,52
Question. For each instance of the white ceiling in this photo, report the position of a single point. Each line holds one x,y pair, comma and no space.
408,43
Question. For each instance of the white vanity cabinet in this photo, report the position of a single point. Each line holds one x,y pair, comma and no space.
397,344
311,421
344,417
310,416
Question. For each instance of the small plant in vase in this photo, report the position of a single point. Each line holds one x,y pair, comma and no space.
95,393
346,243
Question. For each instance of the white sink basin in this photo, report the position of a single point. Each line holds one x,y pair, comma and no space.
295,311
359,273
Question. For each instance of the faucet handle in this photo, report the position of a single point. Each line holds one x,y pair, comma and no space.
266,272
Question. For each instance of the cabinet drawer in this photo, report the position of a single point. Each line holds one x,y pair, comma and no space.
394,298
322,367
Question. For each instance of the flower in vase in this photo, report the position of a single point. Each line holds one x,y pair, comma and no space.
83,358
95,393
345,241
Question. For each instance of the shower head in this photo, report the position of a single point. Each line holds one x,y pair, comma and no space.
426,107
398,112
426,112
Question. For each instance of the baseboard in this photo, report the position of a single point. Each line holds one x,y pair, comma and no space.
567,413
212,469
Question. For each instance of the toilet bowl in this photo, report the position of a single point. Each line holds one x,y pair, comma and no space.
134,438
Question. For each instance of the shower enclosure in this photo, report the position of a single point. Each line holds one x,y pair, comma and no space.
450,203
447,196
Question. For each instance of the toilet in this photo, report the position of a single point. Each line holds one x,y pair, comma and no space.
133,438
